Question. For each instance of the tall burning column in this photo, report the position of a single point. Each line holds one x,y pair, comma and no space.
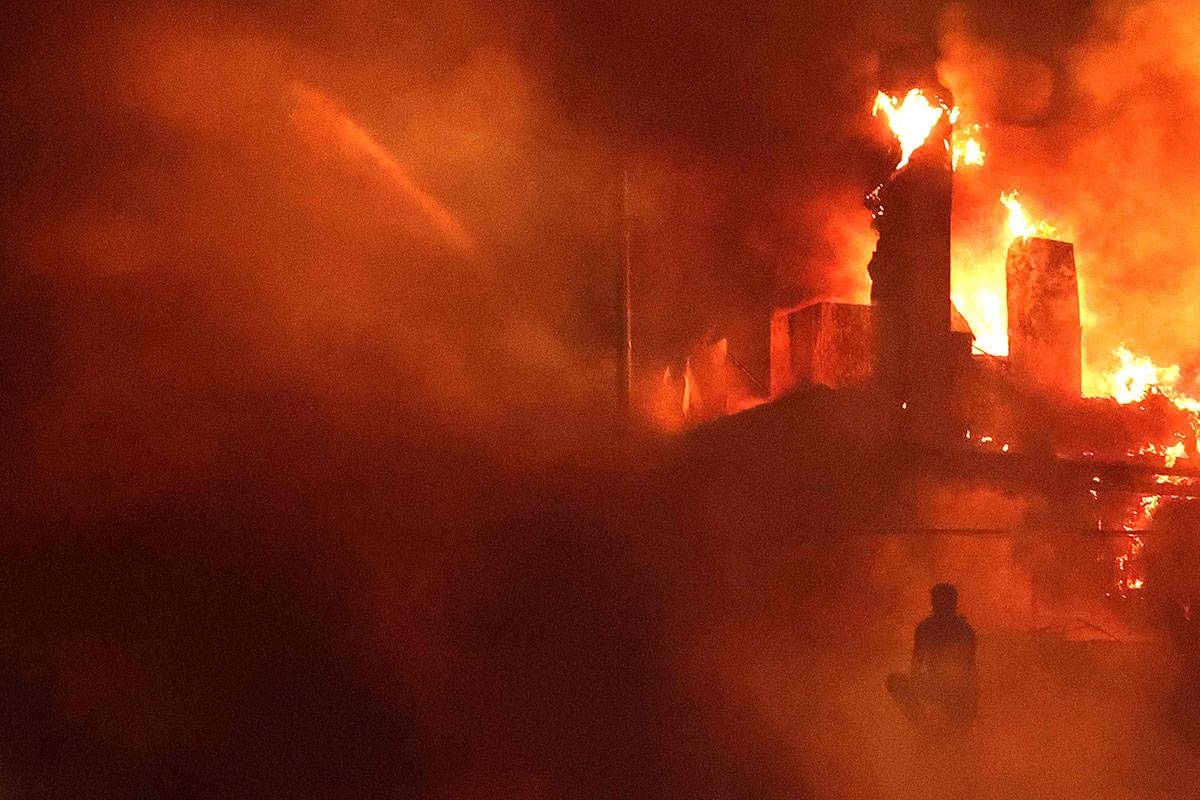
1043,317
910,270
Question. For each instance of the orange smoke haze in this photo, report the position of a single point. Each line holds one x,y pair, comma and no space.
314,477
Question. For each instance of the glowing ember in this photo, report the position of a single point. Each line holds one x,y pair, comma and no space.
1019,223
1129,567
1143,516
912,120
965,149
988,442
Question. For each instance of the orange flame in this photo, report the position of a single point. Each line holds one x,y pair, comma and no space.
912,120
1019,223
1136,376
690,395
1170,453
979,295
965,147
1129,563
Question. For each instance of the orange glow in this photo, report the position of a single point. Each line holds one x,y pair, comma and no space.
1020,225
912,120
1136,376
1133,379
1170,454
1174,453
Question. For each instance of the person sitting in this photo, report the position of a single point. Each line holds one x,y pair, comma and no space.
939,693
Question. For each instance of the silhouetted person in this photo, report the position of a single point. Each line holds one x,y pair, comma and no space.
938,693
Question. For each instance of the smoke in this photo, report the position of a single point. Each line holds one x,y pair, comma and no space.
308,370
789,628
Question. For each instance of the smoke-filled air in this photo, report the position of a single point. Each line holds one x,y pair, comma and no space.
462,400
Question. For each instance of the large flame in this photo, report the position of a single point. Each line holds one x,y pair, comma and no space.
1136,376
978,282
977,290
1020,225
1133,379
912,120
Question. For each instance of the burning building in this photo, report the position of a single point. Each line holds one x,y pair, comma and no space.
888,404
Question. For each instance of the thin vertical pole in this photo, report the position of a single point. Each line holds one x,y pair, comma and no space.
626,296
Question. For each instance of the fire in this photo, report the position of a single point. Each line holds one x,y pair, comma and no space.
1170,453
979,296
978,281
912,120
1134,378
1137,376
1019,223
965,148
690,395
1128,564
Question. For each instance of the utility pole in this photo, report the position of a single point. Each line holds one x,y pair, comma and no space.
626,379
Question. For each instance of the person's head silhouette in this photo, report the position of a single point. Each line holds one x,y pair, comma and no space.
945,599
